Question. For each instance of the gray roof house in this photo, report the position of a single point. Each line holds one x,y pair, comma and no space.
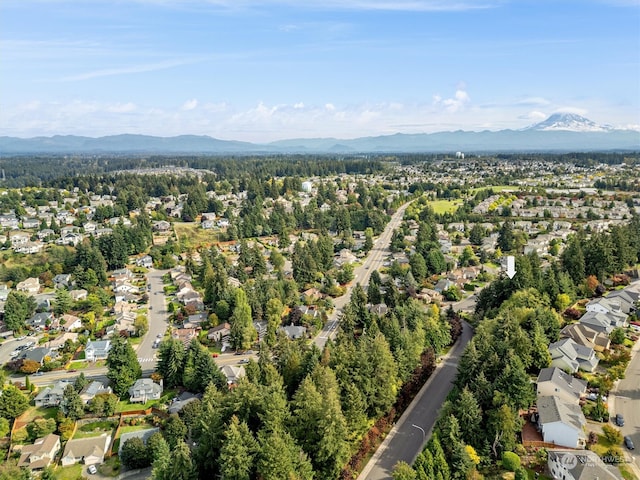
39,354
39,320
580,465
89,451
569,355
603,322
586,336
144,390
51,396
93,389
554,381
561,423
97,350
294,332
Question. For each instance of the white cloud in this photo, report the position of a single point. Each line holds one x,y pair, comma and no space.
122,107
143,68
190,104
534,115
569,109
455,104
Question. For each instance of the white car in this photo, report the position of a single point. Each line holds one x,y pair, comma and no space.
92,469
14,354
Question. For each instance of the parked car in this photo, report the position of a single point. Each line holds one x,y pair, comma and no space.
619,420
92,469
38,374
629,443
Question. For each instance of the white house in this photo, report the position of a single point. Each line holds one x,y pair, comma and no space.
561,423
97,350
30,285
144,390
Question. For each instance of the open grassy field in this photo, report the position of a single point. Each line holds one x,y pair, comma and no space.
445,206
193,234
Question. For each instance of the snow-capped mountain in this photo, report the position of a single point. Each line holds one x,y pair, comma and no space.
569,122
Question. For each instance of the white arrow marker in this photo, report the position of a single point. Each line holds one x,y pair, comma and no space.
511,266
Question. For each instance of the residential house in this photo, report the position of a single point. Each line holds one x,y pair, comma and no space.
30,286
294,332
59,342
561,422
45,234
29,248
90,451
19,238
93,389
39,320
146,261
379,309
77,295
122,274
584,335
144,390
39,354
51,396
162,227
233,373
70,322
554,381
626,299
41,453
195,320
181,401
218,332
571,356
443,285
343,257
62,280
312,295
144,435
97,350
185,335
603,322
580,465
70,238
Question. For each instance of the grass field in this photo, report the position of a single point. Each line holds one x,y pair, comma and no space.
40,412
193,234
445,206
72,472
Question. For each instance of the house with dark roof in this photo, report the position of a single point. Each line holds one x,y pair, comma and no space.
41,453
554,381
218,332
39,354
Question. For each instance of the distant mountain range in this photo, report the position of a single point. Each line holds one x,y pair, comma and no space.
561,132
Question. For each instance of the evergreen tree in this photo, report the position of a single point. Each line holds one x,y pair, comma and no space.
122,364
243,333
238,452
171,362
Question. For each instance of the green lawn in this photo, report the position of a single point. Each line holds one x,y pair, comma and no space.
95,429
72,472
126,406
78,365
40,412
445,206
110,467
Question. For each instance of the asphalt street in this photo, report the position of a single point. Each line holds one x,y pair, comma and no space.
625,399
408,437
361,275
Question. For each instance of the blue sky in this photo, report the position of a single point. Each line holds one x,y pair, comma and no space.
273,69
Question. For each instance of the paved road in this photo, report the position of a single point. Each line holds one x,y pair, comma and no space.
361,275
625,399
10,344
408,437
157,315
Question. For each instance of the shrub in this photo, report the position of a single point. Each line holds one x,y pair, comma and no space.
510,461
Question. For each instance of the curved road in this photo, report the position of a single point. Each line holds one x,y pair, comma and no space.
409,435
